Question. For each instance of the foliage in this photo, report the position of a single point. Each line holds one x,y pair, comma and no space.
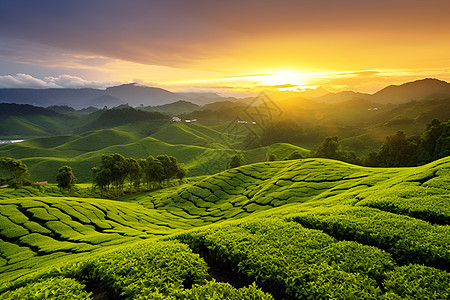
307,228
407,239
401,150
435,141
300,261
144,269
17,170
65,178
330,148
418,282
50,288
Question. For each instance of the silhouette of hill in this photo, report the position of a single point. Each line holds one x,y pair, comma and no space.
131,93
174,108
106,100
342,97
136,95
414,90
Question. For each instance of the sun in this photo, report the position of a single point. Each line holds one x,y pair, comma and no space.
285,80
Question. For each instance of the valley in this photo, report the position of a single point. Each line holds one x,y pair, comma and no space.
300,214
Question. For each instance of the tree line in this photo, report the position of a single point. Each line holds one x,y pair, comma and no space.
399,150
115,171
111,176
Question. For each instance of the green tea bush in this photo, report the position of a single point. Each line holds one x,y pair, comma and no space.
423,204
221,290
146,268
418,282
408,240
49,288
304,263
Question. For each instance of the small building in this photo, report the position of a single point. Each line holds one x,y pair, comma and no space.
176,119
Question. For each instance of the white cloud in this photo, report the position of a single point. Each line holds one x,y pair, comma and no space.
22,80
62,81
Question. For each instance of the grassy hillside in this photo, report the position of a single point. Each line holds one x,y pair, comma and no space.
203,149
312,228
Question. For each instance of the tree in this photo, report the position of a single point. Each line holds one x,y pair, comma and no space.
134,172
435,141
65,178
170,165
154,171
328,148
181,172
102,178
236,160
113,170
17,170
398,151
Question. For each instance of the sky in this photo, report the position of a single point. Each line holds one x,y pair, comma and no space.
230,47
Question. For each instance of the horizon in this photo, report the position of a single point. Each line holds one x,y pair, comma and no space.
312,93
233,49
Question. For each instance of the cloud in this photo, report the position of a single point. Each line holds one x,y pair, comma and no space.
62,81
21,81
188,33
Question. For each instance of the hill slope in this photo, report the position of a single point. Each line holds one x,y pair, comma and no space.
312,228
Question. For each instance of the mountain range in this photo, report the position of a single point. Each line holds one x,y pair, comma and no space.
395,94
144,96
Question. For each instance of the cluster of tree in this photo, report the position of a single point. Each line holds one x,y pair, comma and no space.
115,170
15,172
399,150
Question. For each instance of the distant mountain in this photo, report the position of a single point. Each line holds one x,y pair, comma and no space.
414,90
76,98
342,97
206,98
131,93
174,108
106,100
395,94
136,95
13,109
200,95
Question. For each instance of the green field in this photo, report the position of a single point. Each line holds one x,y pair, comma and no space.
203,149
298,229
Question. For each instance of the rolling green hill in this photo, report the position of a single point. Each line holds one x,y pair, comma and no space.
203,149
311,228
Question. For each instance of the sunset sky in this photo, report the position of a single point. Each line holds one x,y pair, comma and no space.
230,47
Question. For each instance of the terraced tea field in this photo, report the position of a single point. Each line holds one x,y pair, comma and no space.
300,229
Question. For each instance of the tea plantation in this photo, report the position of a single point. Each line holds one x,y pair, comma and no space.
299,229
